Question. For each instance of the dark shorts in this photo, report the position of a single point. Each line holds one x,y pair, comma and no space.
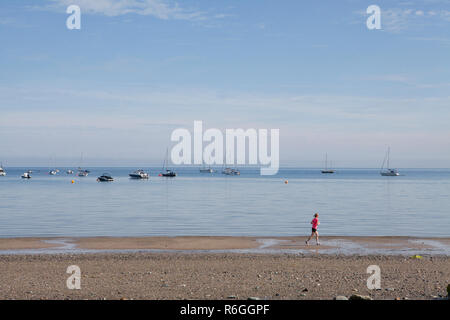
314,230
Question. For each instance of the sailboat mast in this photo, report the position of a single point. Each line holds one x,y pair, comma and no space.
389,153
166,159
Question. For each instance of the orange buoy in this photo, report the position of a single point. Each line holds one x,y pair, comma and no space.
73,181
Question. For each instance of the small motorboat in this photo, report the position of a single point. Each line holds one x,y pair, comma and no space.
69,171
139,174
206,170
231,172
53,172
106,177
82,173
26,175
168,173
2,171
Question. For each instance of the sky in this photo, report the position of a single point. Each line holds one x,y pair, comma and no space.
138,69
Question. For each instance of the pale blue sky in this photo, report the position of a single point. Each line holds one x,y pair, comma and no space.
138,69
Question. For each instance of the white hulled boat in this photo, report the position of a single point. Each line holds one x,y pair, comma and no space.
206,170
139,174
388,172
26,175
82,173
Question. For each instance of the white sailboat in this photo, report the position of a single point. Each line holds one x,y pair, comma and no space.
82,172
205,169
53,172
2,171
388,172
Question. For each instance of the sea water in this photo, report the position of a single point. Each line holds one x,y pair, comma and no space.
351,202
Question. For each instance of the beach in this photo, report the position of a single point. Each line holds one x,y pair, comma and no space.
223,268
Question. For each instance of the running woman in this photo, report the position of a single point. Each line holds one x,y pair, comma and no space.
315,224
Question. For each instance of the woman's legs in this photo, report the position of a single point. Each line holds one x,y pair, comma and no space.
317,237
310,237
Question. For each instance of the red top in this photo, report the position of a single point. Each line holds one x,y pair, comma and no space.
315,223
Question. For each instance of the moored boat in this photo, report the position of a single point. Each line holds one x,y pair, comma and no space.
165,171
168,173
139,174
82,173
106,177
388,172
231,172
26,175
327,170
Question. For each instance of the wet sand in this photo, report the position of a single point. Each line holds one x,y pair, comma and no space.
329,245
25,243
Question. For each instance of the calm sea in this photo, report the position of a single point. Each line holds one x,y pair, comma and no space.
350,202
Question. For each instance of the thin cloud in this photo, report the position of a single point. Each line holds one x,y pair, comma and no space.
184,103
5,21
399,78
398,20
433,39
113,8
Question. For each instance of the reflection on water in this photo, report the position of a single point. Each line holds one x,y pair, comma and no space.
351,202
